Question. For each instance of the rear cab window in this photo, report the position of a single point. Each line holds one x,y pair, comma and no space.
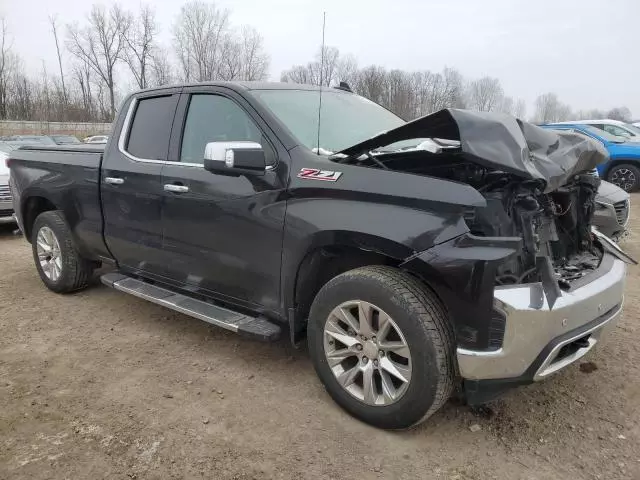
150,127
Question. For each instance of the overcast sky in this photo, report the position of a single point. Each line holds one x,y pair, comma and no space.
586,51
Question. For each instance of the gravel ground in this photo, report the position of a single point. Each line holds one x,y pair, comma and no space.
102,385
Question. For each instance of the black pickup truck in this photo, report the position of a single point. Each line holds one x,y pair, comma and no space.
412,269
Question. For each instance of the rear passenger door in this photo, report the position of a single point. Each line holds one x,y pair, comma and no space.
223,234
131,182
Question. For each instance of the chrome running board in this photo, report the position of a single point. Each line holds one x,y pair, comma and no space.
258,328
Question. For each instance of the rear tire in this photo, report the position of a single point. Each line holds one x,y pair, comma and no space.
421,333
59,264
625,176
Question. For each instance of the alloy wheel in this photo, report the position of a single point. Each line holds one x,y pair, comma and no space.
623,178
49,254
367,353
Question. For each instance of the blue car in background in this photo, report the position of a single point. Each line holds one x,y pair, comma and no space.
623,169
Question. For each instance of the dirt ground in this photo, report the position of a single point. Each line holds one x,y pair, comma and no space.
102,385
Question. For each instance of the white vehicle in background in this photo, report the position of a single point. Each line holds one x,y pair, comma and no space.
6,202
96,139
615,127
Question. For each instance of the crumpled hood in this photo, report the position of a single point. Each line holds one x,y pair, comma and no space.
501,142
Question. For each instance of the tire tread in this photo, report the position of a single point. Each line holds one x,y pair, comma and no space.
434,320
420,303
79,269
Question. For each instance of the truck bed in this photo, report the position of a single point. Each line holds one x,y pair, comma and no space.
71,176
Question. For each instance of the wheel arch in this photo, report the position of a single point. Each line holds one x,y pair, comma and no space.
32,206
326,260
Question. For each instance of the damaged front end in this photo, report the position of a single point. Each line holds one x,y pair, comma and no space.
531,274
557,244
536,182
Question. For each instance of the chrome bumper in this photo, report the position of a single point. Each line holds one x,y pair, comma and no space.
535,334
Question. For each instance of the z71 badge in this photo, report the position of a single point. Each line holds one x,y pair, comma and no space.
315,174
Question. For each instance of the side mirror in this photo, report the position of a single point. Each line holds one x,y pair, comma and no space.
235,158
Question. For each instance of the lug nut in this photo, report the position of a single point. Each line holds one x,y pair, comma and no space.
375,363
365,360
382,353
358,347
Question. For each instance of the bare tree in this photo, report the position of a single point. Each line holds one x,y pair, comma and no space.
372,83
400,95
54,28
592,114
620,113
297,74
254,59
199,36
139,44
485,94
100,44
563,113
243,56
520,110
347,70
547,108
506,105
324,69
82,74
6,63
445,90
230,66
162,71
550,109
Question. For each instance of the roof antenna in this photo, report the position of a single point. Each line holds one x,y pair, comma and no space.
324,19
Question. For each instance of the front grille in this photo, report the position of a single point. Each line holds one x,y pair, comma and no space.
5,193
6,213
622,211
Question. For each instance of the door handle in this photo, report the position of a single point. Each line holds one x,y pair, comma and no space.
170,187
113,180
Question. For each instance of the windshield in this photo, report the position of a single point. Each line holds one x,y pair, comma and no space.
346,119
633,128
602,134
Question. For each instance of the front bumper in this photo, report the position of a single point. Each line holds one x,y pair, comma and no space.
539,341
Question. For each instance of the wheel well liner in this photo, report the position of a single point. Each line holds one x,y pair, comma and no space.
317,268
33,207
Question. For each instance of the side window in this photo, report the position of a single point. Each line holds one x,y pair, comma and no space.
614,130
213,118
151,127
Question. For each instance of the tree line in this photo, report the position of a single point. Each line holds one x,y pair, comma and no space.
113,46
115,50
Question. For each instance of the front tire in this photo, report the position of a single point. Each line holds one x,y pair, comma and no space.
59,265
625,176
382,345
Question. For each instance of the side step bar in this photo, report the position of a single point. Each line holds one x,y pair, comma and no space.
258,328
